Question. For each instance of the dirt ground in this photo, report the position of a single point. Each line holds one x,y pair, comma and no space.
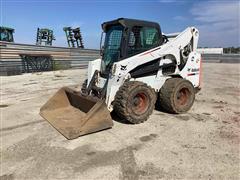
202,144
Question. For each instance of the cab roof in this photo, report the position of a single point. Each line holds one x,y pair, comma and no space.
129,23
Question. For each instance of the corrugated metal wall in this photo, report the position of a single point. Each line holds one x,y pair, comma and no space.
10,59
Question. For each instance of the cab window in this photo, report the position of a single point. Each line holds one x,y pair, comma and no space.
142,39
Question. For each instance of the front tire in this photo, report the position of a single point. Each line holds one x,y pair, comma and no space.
134,101
177,95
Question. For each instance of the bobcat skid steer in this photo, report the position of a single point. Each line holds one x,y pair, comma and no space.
139,66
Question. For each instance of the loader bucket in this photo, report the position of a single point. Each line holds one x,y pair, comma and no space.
74,115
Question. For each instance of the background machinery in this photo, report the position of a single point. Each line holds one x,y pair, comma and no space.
74,37
6,34
44,37
140,68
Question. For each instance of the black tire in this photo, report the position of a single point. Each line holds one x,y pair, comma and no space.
177,95
134,101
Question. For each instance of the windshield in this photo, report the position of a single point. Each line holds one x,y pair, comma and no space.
112,44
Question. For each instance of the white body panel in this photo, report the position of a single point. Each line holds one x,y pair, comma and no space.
191,70
92,67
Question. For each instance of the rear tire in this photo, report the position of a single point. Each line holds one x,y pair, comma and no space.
134,101
177,95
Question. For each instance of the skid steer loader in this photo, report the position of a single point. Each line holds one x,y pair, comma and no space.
139,66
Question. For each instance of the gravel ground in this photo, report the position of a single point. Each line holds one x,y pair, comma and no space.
202,144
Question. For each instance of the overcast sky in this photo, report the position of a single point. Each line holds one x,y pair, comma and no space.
218,21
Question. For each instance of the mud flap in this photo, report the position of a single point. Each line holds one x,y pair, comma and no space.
74,115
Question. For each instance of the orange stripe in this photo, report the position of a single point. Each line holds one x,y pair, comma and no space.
150,51
192,74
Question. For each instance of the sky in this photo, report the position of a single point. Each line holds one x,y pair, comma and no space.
217,21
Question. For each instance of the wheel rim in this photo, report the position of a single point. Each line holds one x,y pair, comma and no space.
183,96
140,103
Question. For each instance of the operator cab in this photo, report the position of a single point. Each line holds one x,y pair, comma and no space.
127,37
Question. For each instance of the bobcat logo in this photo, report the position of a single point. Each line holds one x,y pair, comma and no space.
123,68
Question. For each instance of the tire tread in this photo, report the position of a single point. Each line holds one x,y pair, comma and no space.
121,97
